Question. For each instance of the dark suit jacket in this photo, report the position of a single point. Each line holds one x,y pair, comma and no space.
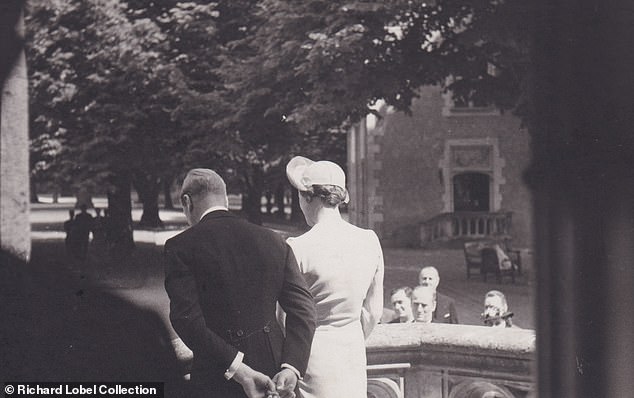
224,277
445,310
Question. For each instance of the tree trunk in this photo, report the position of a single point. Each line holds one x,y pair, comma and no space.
251,201
279,201
167,193
296,212
269,201
149,188
150,217
33,193
119,221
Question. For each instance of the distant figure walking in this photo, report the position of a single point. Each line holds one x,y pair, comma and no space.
83,225
84,198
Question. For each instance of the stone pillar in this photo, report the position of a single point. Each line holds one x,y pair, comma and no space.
583,179
356,174
14,140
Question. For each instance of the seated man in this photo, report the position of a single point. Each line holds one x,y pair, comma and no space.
423,304
496,313
445,307
402,304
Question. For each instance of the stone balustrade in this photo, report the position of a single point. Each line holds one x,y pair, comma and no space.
472,225
454,361
443,361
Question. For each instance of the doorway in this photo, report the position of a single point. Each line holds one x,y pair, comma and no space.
471,192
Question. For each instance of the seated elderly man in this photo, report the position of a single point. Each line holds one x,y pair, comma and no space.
401,299
496,310
445,308
423,304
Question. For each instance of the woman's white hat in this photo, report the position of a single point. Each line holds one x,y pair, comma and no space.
304,173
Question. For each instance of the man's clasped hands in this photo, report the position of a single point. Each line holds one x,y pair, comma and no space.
258,385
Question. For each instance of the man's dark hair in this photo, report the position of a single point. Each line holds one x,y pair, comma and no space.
406,289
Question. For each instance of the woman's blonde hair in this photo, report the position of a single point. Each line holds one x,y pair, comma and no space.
330,195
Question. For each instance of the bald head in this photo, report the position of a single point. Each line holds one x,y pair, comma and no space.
429,276
202,189
203,182
423,303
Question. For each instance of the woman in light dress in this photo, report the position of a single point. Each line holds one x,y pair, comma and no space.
343,266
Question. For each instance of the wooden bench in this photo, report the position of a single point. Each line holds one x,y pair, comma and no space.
473,252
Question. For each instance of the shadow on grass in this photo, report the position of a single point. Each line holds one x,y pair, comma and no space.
57,326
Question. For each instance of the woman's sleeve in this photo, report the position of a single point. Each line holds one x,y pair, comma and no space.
373,303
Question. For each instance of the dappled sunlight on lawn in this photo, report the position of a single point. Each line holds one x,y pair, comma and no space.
402,266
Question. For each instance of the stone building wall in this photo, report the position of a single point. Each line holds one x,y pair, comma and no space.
411,164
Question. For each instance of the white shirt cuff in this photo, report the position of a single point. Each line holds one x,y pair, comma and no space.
292,368
237,361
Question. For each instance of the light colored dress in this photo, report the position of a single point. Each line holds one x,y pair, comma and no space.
343,267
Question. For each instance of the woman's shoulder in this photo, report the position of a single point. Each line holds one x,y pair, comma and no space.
300,239
369,233
327,231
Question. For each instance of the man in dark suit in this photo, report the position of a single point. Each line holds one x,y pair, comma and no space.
445,308
224,277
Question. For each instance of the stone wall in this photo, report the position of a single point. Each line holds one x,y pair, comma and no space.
407,158
441,361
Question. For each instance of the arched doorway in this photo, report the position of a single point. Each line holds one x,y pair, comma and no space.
471,192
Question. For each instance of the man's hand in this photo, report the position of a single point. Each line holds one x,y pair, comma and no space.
254,383
285,382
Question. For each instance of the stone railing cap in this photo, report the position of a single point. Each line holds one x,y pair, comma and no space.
458,338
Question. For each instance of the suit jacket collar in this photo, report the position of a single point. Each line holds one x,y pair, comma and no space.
216,214
212,208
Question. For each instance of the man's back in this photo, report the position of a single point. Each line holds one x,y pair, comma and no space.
224,277
236,265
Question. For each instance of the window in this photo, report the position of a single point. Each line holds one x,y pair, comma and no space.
466,107
471,192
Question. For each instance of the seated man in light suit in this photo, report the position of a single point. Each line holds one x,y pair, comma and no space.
445,308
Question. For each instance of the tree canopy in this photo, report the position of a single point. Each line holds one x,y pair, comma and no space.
149,88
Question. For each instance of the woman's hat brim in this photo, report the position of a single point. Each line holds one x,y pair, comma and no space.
295,171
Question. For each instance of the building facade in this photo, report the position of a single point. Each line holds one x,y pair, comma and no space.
446,173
